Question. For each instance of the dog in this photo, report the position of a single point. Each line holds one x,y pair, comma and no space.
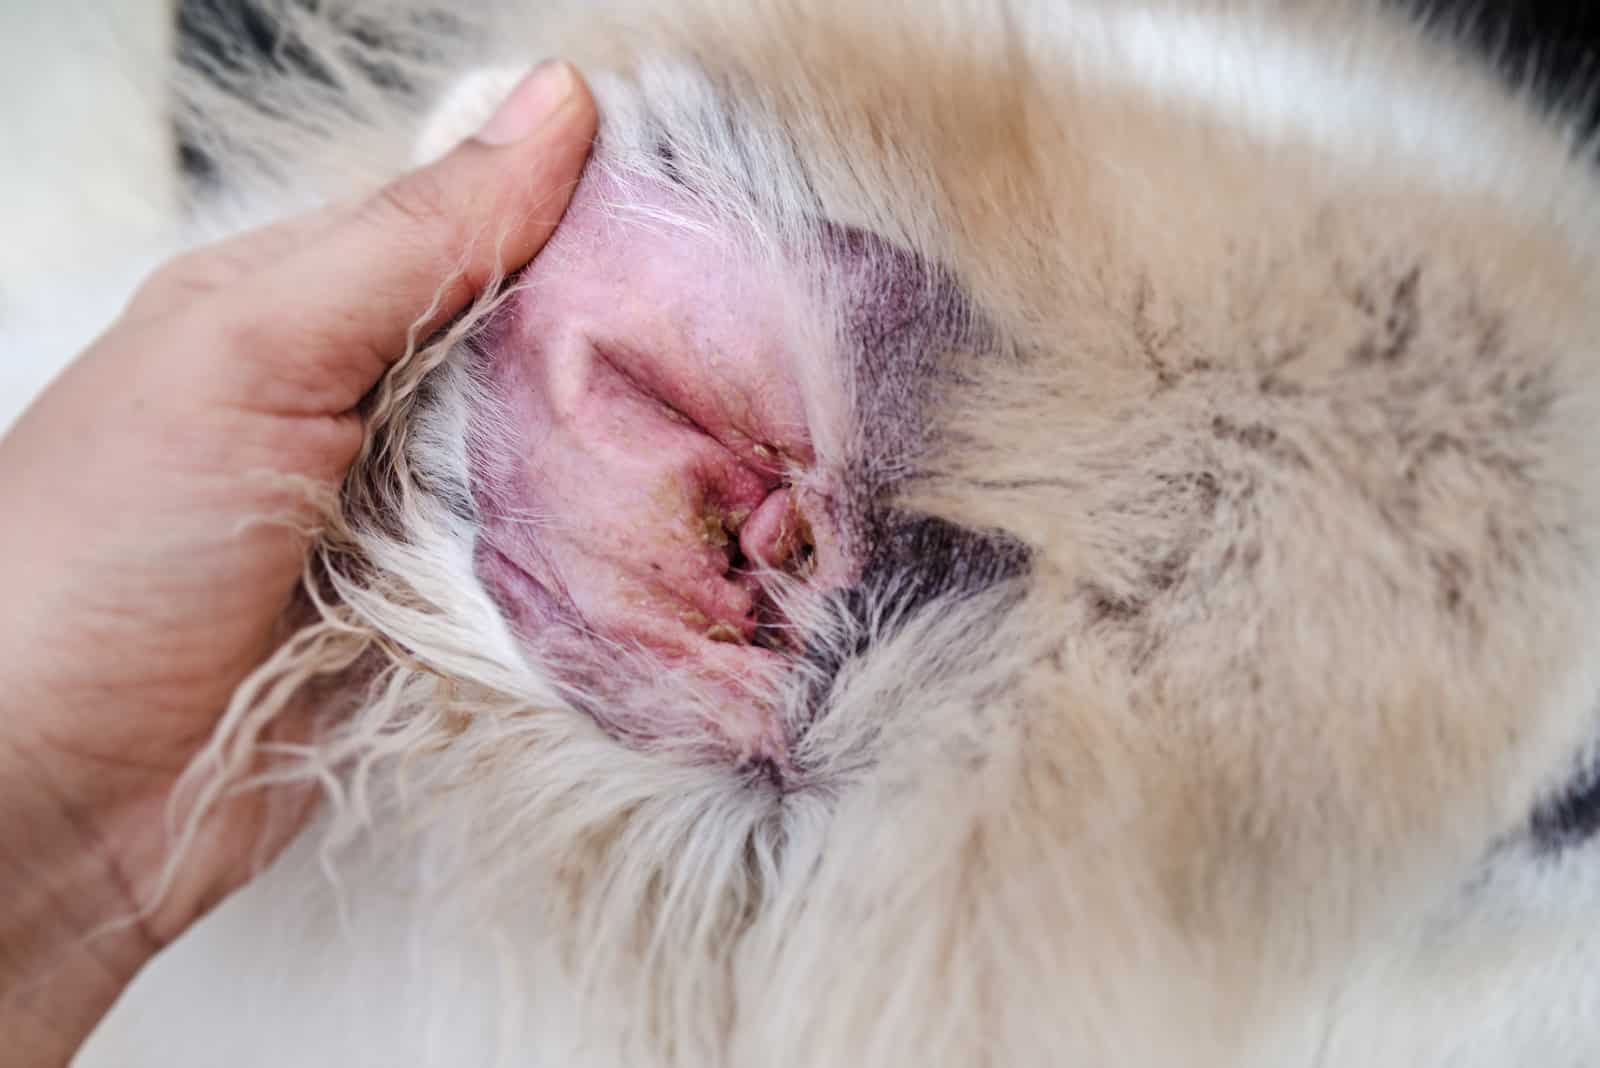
993,534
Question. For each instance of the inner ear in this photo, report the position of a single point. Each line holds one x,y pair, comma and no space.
649,479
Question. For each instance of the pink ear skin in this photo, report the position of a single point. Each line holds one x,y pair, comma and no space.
656,428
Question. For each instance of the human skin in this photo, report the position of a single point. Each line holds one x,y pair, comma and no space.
148,552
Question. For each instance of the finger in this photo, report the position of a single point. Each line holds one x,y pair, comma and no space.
327,320
231,261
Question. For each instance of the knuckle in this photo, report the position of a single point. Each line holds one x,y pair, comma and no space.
174,283
246,337
419,215
243,335
417,200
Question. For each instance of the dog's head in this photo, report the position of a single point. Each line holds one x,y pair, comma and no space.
1041,499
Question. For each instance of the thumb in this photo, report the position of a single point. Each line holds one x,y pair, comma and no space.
329,317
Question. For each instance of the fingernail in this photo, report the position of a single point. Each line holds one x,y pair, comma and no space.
535,98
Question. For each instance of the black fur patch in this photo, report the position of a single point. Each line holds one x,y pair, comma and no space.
229,37
229,41
1571,817
914,562
1550,44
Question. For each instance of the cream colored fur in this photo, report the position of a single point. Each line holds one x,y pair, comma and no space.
1295,418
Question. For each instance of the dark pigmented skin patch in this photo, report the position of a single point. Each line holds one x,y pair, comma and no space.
907,326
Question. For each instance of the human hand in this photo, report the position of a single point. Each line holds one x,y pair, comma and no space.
154,537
